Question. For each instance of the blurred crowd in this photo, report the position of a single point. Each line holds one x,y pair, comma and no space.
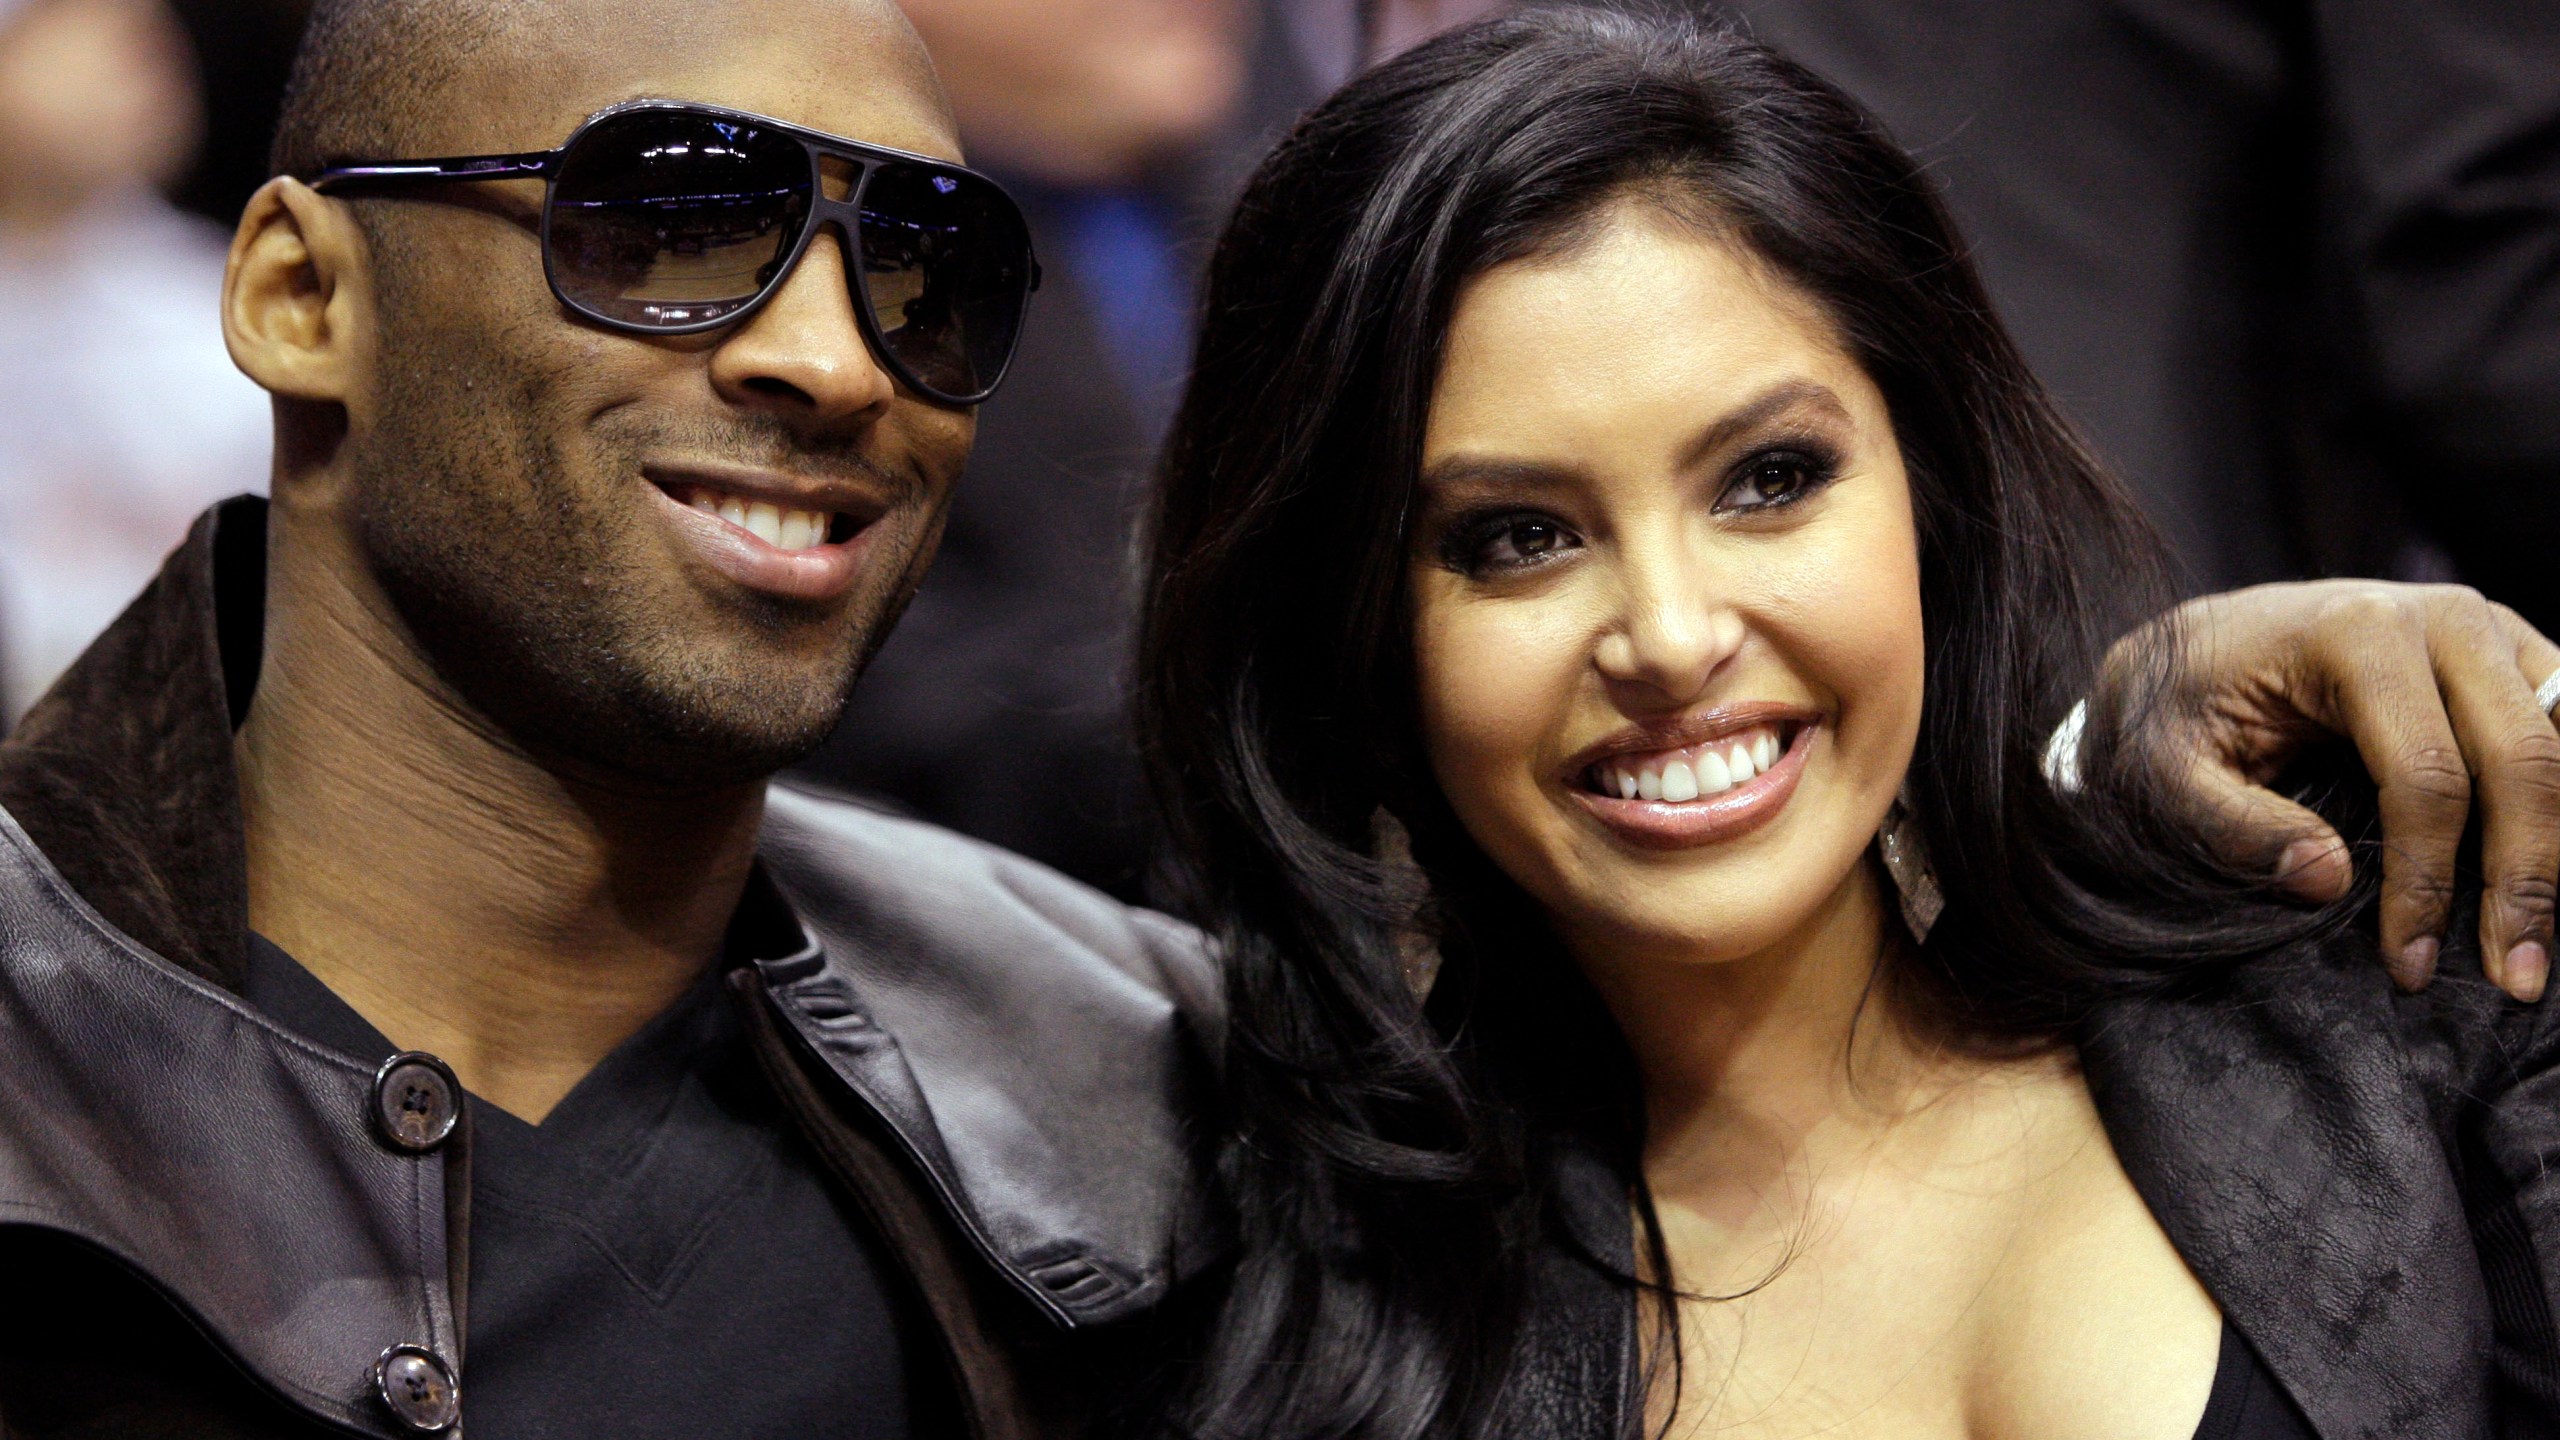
2294,268
120,413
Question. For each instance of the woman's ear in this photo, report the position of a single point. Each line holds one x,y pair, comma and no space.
296,302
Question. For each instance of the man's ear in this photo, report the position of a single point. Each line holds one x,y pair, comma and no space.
296,300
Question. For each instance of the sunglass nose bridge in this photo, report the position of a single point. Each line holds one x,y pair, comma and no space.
837,176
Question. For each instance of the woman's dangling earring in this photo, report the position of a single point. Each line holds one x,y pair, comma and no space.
1420,940
1906,859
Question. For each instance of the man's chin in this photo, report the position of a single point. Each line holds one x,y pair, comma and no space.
689,742
602,679
620,719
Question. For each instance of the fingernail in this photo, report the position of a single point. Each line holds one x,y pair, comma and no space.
2303,869
2528,969
2417,963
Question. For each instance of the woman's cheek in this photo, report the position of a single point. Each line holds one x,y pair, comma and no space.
1497,681
1847,619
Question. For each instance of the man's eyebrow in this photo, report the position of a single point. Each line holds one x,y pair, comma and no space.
1771,404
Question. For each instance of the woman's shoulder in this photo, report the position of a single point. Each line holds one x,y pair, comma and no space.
2323,1012
2354,1173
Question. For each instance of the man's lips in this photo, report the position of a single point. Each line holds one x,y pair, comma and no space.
853,503
783,535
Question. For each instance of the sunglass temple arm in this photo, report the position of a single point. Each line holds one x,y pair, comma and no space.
534,166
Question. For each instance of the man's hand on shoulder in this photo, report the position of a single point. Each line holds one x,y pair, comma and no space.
2435,685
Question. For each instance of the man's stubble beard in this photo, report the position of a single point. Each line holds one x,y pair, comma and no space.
527,594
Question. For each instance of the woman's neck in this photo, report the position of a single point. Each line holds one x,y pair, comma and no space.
1755,1069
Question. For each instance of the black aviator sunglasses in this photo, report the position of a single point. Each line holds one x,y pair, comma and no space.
663,217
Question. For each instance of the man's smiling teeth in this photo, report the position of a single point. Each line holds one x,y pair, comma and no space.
782,529
1692,773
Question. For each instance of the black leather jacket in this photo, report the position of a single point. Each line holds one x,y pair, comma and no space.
2368,1183
994,1061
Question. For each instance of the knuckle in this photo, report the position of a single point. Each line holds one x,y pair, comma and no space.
2431,776
2528,766
2424,887
2468,618
2363,608
2533,892
2456,596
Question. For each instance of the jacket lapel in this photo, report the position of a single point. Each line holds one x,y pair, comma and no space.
2276,1135
1033,1046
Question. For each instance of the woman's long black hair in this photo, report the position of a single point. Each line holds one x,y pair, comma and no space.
1390,1165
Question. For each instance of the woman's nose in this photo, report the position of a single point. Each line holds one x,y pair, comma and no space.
1672,633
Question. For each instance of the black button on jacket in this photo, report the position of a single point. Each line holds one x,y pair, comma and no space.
211,1227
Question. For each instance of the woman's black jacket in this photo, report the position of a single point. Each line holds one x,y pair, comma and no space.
2367,1182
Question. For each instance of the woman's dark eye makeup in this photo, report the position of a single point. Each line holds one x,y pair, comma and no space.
1777,476
1499,539
1491,540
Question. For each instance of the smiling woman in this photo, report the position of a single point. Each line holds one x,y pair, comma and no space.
1603,469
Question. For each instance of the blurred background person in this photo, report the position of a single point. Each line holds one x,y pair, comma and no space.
1338,37
120,413
999,706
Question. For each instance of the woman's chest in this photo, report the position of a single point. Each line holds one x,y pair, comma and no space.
1958,1290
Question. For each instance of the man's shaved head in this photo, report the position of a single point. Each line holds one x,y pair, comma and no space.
368,73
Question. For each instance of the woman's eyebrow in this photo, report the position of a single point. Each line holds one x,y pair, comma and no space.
1485,473
1771,404
1460,473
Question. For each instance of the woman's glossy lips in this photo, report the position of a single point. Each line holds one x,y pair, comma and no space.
804,570
1710,819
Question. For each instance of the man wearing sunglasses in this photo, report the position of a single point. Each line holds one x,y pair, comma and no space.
414,1002
413,1006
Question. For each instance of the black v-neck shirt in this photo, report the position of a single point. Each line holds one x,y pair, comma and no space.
663,1255
2247,1401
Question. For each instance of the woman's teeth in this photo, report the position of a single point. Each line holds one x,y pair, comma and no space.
782,529
1692,773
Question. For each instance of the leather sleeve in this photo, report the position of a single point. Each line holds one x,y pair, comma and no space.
2499,1097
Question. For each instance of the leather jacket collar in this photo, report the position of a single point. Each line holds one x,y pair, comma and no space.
1028,1044
123,774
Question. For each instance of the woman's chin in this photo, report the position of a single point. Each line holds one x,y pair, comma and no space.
1715,907
1698,923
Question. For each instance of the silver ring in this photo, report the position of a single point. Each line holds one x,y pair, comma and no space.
2062,750
2549,694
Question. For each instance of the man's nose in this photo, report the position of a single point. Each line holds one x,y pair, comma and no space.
802,356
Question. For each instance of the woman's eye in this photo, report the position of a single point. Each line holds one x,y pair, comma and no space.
1508,542
1780,477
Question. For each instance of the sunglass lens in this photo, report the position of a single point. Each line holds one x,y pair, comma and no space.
673,220
946,270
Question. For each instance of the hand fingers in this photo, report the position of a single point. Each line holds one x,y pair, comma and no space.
2256,830
2396,713
2514,754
